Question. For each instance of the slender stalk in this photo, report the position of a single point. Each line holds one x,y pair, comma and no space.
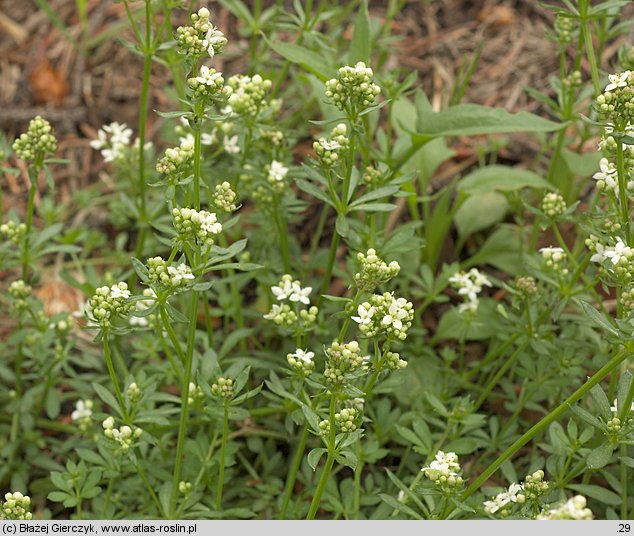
545,422
587,36
223,450
182,425
292,474
323,480
150,489
29,225
346,322
113,376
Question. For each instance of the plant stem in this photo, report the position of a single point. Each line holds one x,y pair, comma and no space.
543,423
113,376
323,480
223,450
145,92
150,489
29,224
182,425
292,474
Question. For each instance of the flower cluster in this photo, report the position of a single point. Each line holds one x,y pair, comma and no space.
15,507
374,271
112,140
372,176
195,394
526,286
353,90
36,142
345,420
123,437
177,160
223,388
301,361
535,486
134,392
247,93
201,37
207,85
384,313
342,359
20,291
554,258
198,226
553,204
168,276
617,260
275,174
564,28
574,508
108,303
13,231
502,501
224,198
469,285
616,102
328,151
284,314
82,413
445,472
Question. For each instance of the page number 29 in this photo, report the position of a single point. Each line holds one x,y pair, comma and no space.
624,527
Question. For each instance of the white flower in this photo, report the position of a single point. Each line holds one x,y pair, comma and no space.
277,171
512,495
231,144
275,310
607,174
599,254
187,138
617,80
444,464
83,410
366,312
332,145
615,408
206,77
116,292
179,273
209,138
112,140
618,252
300,294
469,306
305,356
396,313
283,292
209,223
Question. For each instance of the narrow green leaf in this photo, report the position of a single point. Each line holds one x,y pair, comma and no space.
501,178
309,60
600,456
361,41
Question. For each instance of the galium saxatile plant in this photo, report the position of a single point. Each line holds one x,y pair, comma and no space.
273,329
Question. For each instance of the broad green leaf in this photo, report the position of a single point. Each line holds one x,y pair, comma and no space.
596,492
361,42
314,456
474,119
601,402
309,60
501,178
463,445
502,249
583,165
597,318
600,456
479,212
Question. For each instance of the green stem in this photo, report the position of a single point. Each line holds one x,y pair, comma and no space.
592,60
508,363
29,225
623,201
170,333
150,489
332,256
113,376
292,474
182,425
346,322
545,422
223,450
